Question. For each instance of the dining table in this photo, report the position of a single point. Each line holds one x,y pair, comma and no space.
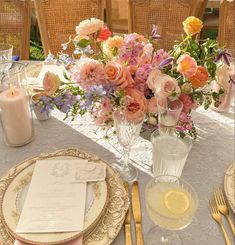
211,155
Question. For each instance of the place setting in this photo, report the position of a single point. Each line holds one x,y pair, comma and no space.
158,181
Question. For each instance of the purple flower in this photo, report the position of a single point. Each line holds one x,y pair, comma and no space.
64,46
47,104
160,57
223,55
94,94
154,35
49,58
165,62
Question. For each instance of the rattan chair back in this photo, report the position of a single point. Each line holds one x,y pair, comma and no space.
168,15
226,35
117,15
15,17
58,18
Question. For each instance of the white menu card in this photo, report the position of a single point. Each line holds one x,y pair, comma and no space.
54,203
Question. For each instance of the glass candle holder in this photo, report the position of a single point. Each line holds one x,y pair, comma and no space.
15,109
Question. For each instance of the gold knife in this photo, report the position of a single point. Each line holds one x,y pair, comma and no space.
137,213
127,222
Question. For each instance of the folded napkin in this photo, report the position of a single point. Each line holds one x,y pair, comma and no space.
77,241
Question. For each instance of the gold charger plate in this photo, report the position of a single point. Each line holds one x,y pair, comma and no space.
229,185
101,232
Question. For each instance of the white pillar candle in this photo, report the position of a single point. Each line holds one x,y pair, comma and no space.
16,116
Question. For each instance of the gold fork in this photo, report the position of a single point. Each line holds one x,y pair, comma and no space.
217,217
222,207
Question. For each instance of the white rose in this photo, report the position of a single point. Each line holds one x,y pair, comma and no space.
87,27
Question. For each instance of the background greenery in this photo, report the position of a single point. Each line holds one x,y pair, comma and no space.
36,50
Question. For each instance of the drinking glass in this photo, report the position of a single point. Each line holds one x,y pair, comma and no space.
6,51
169,154
168,115
5,56
171,204
127,133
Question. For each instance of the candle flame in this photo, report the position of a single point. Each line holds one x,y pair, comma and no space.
12,89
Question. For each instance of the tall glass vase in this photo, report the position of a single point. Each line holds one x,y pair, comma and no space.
127,133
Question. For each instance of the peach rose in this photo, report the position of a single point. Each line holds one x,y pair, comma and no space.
135,105
200,78
118,75
51,82
192,25
161,84
152,105
187,65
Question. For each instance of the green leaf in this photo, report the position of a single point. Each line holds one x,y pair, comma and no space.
66,76
83,43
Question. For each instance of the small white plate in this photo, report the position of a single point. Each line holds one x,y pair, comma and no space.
229,185
13,200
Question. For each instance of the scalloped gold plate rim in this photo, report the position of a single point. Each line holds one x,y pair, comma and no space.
98,233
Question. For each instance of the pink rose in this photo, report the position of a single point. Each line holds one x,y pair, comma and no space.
103,113
187,65
187,102
51,82
135,105
118,75
161,84
152,105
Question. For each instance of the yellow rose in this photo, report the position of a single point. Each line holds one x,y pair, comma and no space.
192,25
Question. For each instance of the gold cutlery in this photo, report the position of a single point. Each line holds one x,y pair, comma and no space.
137,213
217,217
127,222
222,207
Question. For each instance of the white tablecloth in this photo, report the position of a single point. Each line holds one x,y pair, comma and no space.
208,160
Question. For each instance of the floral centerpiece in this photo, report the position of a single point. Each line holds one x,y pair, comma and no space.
108,72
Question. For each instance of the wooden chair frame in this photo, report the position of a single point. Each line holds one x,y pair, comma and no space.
24,48
43,22
224,7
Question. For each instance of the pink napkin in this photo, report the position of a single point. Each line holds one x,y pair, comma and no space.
77,241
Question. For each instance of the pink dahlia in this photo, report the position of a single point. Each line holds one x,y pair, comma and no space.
88,73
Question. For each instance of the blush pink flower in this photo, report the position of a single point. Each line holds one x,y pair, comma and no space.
135,105
161,84
89,72
103,113
152,105
185,122
187,102
118,75
51,82
187,65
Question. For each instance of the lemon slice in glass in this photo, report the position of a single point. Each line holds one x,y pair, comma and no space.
177,202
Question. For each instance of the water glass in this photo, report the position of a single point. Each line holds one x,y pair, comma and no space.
168,115
169,154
